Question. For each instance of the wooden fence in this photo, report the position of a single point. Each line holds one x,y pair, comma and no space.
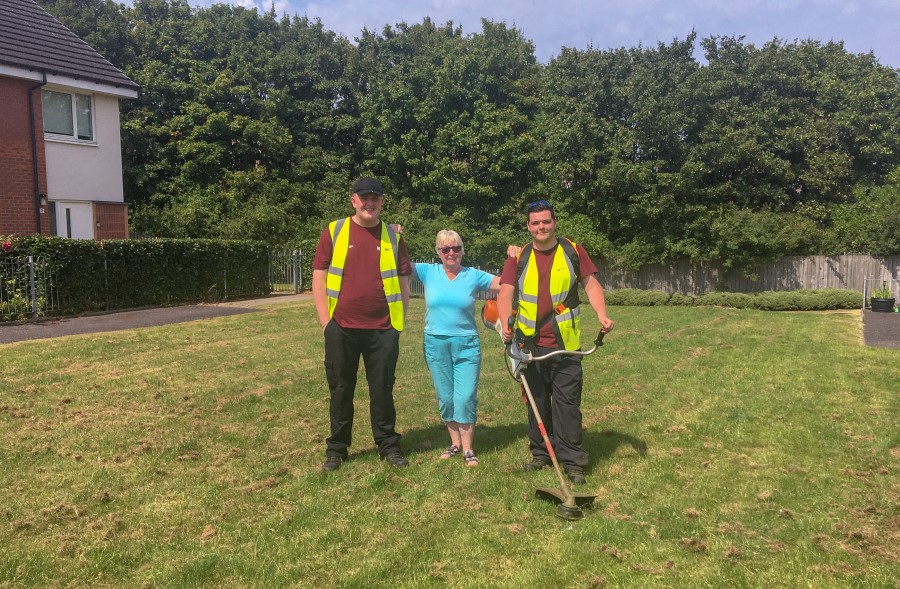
790,273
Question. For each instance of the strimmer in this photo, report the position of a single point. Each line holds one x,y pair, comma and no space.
569,504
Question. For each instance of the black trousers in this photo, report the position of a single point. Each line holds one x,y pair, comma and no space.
556,386
379,350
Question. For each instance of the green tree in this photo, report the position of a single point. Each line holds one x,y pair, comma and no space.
228,94
447,118
252,125
613,133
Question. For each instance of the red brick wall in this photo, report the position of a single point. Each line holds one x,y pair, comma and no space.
17,208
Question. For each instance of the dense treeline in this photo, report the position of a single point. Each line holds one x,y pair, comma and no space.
253,126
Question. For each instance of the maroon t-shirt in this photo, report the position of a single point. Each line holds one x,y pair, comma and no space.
544,260
362,304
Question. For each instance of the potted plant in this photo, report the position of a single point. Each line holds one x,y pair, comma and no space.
881,300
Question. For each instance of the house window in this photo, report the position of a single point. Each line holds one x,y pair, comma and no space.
68,115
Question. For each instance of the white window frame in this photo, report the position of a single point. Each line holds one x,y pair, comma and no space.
74,137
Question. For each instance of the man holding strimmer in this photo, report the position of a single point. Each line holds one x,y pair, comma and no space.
539,289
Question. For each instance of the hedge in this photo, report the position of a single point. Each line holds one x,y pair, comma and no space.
792,300
119,274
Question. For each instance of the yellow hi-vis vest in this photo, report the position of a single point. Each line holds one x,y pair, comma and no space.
389,264
562,280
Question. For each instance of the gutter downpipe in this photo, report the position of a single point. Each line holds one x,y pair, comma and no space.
34,160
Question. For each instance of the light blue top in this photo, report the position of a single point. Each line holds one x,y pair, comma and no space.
450,304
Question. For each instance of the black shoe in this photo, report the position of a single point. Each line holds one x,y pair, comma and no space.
576,474
537,463
332,463
396,459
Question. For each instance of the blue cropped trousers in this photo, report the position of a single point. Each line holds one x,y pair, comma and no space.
454,362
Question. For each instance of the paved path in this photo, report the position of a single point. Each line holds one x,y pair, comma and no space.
879,329
17,332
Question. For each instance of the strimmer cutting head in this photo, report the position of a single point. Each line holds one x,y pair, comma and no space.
565,508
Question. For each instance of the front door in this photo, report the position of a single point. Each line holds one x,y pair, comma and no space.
74,220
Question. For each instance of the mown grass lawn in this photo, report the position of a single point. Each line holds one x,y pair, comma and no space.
729,448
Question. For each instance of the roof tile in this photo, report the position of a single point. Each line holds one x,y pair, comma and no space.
31,38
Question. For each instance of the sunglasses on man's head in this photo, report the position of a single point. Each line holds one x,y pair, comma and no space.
543,204
451,248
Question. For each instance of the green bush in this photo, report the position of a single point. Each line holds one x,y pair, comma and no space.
794,300
778,301
679,300
14,306
622,296
116,274
651,298
808,300
738,300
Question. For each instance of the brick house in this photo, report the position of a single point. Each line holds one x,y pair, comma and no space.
60,146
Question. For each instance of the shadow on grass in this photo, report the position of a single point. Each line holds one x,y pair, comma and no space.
434,438
600,446
488,438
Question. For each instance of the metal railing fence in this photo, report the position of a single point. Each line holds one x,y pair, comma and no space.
26,289
285,273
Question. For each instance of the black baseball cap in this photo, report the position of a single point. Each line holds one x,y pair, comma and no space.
368,185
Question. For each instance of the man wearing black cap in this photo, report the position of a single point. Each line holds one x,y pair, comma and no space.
361,289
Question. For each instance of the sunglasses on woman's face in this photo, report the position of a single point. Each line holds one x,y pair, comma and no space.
454,248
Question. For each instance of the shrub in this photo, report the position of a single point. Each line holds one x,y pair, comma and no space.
636,297
794,300
807,300
679,300
777,301
651,298
738,300
838,298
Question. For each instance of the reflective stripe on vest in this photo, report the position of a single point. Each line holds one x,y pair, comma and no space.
562,280
388,262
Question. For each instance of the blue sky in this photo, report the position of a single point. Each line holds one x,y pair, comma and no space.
863,25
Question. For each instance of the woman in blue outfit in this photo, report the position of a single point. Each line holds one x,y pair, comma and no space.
452,347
